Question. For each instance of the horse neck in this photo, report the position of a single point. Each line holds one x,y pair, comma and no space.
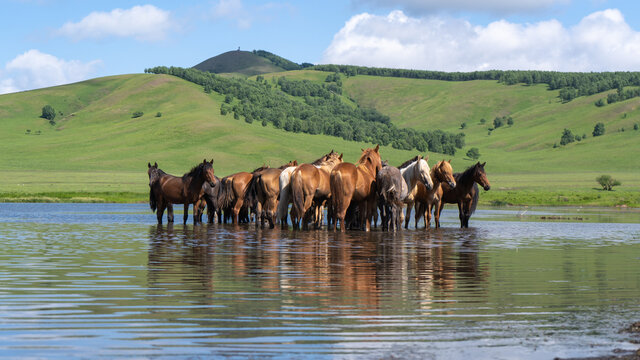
436,175
368,167
410,174
465,181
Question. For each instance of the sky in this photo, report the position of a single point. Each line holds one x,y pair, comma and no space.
53,42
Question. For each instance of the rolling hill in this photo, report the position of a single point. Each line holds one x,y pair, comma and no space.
239,62
97,147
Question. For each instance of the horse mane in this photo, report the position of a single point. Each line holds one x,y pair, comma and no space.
194,172
409,162
290,163
467,174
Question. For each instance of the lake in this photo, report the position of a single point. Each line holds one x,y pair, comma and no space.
104,281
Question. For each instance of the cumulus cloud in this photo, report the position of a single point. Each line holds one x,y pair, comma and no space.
35,69
602,41
143,23
420,7
245,15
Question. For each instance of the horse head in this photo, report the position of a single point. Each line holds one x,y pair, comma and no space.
424,172
444,172
371,157
153,173
480,176
207,168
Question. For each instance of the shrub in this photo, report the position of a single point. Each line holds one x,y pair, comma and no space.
473,153
137,114
567,137
158,114
600,103
48,112
598,129
607,182
635,126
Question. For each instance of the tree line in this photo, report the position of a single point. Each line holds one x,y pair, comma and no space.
570,84
312,108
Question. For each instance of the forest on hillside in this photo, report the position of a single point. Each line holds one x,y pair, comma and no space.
570,85
312,108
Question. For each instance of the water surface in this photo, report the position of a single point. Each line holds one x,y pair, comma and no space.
92,281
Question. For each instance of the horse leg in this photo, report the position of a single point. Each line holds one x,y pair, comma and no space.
407,216
186,214
427,215
467,213
169,213
236,211
419,212
160,211
461,213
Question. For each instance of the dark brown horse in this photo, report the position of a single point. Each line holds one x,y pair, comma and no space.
310,189
166,189
355,184
265,189
466,192
426,200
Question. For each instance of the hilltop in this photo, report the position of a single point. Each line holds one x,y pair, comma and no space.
247,63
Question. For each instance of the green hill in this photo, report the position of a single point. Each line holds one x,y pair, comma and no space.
239,62
97,151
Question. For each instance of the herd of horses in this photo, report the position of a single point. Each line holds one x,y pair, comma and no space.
351,193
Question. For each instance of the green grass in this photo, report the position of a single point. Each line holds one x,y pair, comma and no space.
97,151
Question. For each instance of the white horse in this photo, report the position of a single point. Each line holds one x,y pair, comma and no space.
414,170
285,195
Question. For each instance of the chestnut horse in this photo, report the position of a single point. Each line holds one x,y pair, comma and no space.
466,192
233,193
426,200
265,188
351,183
310,189
168,189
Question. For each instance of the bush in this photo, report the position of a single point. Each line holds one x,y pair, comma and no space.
598,129
137,114
607,182
473,153
567,137
48,112
463,125
158,114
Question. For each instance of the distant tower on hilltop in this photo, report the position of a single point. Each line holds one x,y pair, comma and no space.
238,48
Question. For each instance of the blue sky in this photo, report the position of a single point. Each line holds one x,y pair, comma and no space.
51,42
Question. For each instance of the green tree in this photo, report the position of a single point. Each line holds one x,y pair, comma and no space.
598,129
567,137
48,112
137,114
607,182
473,153
600,102
463,125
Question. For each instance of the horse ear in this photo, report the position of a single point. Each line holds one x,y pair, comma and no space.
419,157
361,149
426,158
377,147
340,157
449,161
484,163
149,165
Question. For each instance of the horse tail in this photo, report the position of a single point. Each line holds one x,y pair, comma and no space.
153,203
337,193
297,194
476,194
225,197
251,192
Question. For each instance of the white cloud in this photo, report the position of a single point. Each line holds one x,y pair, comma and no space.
245,16
602,41
420,7
143,23
35,69
233,10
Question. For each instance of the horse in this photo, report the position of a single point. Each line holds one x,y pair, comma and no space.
210,198
168,189
426,200
351,183
233,192
391,189
284,196
414,171
466,192
264,188
310,189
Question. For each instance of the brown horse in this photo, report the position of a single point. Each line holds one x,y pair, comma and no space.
310,189
466,192
351,183
234,191
265,189
426,200
166,189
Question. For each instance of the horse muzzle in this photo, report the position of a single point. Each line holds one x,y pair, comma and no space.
452,184
486,187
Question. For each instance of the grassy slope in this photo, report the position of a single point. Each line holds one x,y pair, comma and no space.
97,147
